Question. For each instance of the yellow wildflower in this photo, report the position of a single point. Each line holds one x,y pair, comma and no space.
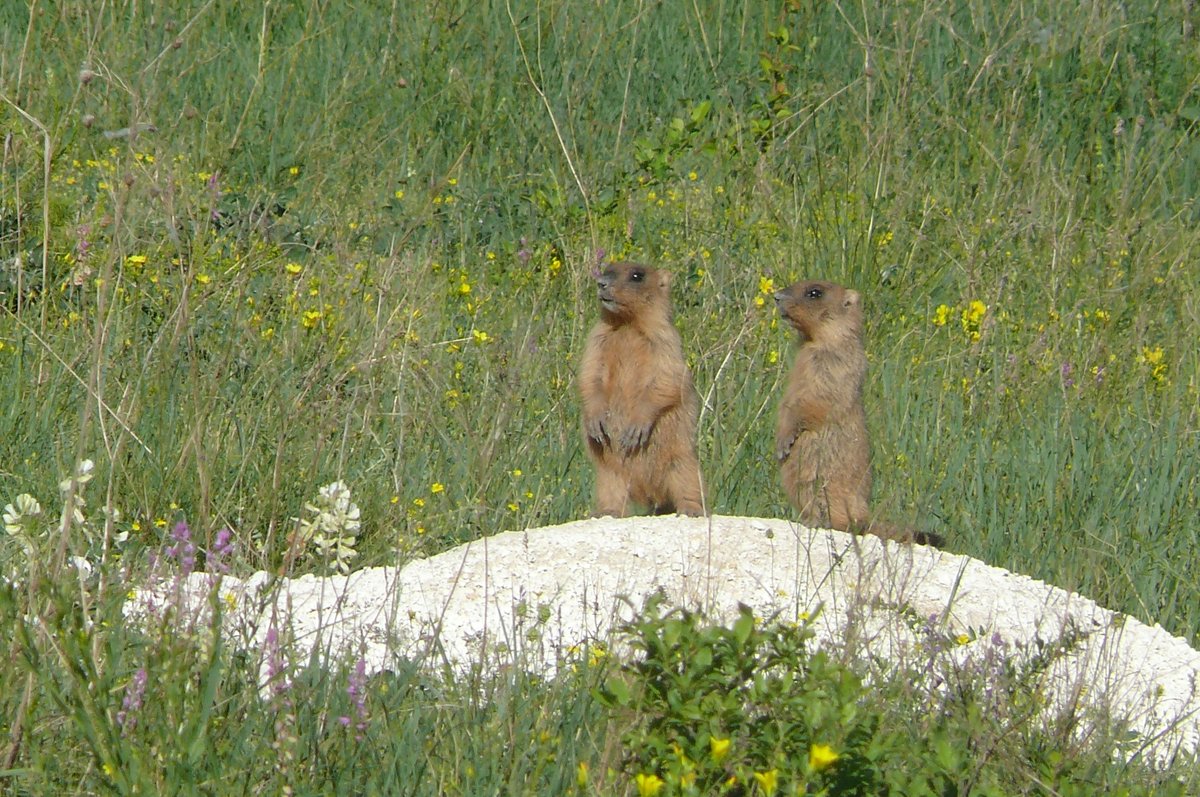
581,775
766,285
972,319
437,487
1154,359
719,748
648,785
941,315
767,781
821,756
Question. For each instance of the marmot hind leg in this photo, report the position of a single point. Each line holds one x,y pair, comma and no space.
612,494
845,508
685,489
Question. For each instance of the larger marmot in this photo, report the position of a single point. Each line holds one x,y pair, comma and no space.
640,406
821,440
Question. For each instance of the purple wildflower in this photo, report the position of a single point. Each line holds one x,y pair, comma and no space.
1068,381
523,254
356,688
135,691
183,551
219,553
83,245
276,676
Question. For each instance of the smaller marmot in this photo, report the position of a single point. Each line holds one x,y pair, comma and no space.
821,441
640,405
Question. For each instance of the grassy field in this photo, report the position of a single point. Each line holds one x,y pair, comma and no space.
248,250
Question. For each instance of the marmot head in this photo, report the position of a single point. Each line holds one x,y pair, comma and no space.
821,310
629,291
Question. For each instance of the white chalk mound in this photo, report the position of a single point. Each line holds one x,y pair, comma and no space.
535,598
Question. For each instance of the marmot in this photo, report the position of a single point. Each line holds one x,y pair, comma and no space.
821,442
640,405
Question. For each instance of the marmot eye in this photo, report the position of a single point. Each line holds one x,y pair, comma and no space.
814,293
637,276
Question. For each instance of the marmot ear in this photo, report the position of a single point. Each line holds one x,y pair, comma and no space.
852,298
664,280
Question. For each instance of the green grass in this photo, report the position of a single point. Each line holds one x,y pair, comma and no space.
357,245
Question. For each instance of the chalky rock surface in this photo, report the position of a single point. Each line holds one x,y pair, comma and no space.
539,597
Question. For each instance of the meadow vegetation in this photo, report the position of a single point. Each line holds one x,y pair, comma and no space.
264,264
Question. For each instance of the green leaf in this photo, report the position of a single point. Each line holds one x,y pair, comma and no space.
744,625
615,692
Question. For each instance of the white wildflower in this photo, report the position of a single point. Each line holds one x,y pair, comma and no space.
331,525
82,475
18,513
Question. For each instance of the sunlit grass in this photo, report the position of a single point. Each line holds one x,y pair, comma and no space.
249,252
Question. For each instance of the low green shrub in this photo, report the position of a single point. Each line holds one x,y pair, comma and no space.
756,708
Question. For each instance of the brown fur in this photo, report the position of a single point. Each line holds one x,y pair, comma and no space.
640,405
821,440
